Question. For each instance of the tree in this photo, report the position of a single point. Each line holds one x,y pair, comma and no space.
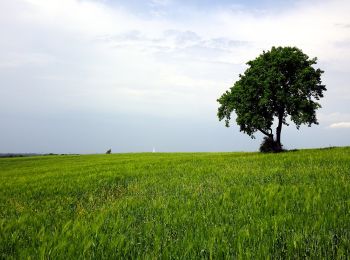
279,83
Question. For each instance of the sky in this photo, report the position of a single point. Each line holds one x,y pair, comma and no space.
84,76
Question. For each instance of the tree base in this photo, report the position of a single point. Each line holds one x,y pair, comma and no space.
269,145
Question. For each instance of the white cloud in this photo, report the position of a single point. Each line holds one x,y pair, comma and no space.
97,49
89,17
340,125
13,60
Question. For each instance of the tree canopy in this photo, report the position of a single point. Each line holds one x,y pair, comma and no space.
279,83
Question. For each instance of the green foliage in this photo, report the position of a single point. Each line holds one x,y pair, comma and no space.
279,83
203,205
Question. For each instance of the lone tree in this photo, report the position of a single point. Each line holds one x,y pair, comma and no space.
279,83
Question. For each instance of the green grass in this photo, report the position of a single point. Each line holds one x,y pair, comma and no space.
177,205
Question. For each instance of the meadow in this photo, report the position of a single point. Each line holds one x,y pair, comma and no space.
177,206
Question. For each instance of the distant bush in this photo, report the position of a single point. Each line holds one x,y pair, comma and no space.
329,147
269,145
109,151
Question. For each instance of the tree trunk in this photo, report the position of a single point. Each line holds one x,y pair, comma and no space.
278,132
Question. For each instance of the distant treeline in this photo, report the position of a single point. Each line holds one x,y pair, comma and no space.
10,155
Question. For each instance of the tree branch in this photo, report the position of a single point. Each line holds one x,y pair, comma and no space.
265,133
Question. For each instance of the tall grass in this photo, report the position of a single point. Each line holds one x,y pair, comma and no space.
192,205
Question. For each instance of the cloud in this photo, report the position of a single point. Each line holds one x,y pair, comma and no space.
160,2
171,59
340,125
343,25
99,48
179,45
13,60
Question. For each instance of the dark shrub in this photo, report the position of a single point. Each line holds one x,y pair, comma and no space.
269,145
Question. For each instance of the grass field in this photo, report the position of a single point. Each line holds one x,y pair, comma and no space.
174,205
